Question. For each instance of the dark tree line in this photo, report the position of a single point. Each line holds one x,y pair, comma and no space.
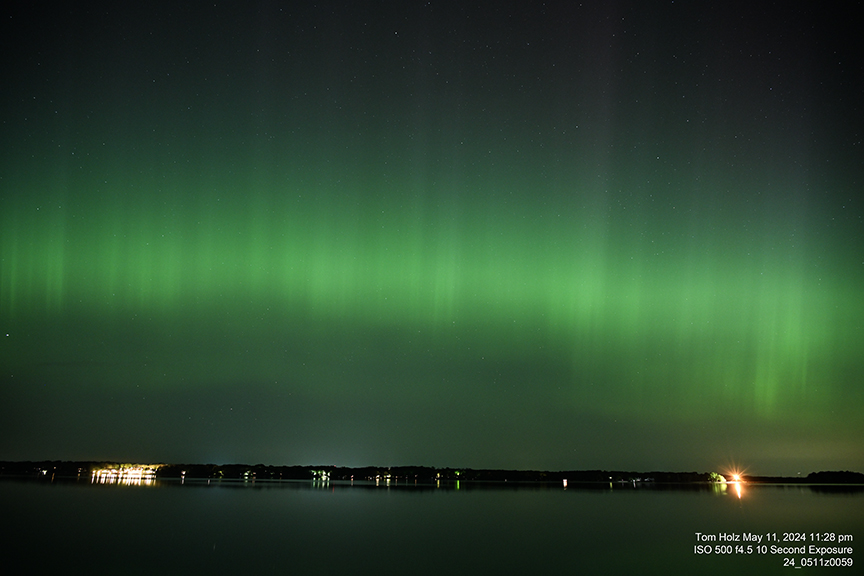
402,474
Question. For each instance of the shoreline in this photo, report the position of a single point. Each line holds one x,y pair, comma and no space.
396,474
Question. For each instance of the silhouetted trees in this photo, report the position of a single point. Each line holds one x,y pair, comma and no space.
399,475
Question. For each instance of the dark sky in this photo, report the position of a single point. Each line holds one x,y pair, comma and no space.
553,235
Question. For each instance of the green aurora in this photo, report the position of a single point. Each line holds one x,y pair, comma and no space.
626,279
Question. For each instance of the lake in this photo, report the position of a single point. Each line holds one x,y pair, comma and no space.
223,527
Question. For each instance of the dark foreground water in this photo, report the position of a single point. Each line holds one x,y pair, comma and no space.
306,528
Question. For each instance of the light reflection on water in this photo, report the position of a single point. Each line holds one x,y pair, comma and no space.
222,527
736,487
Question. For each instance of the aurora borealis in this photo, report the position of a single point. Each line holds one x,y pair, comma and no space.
561,236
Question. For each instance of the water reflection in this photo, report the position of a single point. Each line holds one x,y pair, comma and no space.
735,486
505,527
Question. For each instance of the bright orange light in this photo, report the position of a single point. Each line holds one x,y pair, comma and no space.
736,479
735,473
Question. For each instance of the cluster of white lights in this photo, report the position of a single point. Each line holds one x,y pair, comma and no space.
124,475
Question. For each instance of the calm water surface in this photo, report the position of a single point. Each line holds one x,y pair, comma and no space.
288,527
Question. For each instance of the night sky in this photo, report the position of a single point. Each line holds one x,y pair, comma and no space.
620,235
